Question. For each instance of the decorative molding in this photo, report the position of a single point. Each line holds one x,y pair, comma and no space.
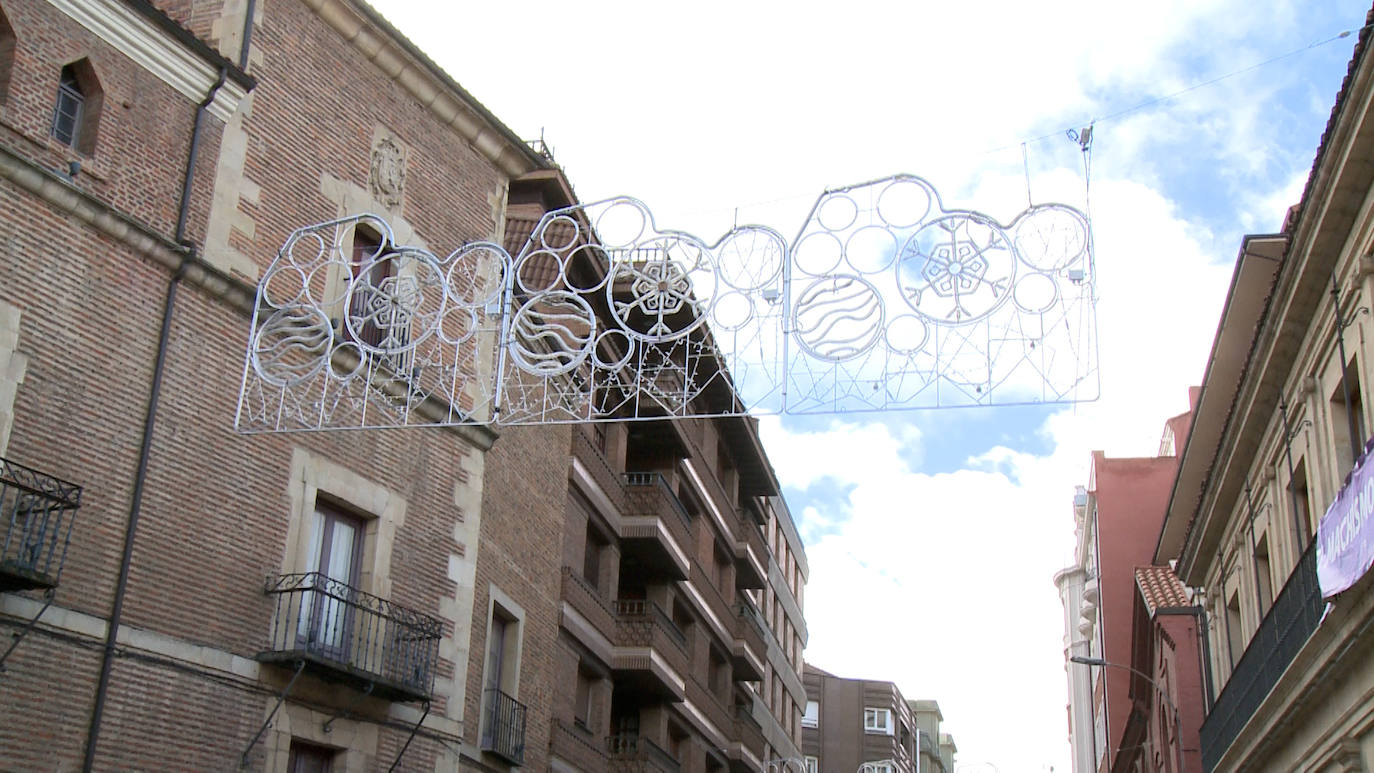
387,172
154,50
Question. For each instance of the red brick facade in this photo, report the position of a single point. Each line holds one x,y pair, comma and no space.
87,260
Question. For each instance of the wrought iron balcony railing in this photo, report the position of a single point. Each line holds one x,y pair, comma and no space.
504,731
344,634
1281,634
38,511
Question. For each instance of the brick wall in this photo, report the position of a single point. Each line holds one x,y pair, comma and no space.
216,507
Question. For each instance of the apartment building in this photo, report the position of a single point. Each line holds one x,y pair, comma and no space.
1264,485
1127,650
645,615
866,725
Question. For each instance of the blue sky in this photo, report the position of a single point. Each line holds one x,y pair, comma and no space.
942,529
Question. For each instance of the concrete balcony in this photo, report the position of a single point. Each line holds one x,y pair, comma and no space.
656,529
746,749
751,554
634,753
590,460
650,653
586,612
749,651
576,746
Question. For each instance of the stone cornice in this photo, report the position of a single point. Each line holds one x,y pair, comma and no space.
407,66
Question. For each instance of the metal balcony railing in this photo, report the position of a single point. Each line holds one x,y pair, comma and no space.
632,747
504,731
344,634
37,512
645,616
1281,634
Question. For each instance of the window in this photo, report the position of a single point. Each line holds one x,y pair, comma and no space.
595,548
309,758
813,765
582,701
1263,574
336,540
812,717
1299,499
1235,641
66,114
77,107
878,721
876,767
1344,422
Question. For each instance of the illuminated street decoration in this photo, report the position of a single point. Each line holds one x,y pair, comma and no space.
884,301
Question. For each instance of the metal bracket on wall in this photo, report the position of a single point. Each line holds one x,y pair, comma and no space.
356,701
19,635
243,758
409,738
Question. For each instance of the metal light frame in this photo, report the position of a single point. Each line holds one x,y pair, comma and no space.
885,300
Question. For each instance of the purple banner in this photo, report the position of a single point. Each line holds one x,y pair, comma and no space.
1345,536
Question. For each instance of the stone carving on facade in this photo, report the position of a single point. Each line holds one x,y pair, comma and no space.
387,179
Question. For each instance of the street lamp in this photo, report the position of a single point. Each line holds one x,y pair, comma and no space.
1163,694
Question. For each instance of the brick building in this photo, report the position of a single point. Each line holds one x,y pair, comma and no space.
620,618
1130,619
315,601
866,725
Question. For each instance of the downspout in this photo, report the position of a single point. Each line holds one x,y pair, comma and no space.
145,451
247,34
1205,653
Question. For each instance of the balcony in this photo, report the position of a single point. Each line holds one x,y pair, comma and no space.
342,634
1279,638
588,603
750,648
657,530
593,460
748,736
503,732
633,753
38,511
751,554
575,745
650,650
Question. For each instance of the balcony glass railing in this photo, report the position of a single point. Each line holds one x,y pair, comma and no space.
1282,633
37,512
342,632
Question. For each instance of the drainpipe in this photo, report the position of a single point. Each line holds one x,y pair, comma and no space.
1205,653
145,451
247,34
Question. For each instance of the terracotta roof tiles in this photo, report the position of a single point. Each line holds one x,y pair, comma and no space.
1160,588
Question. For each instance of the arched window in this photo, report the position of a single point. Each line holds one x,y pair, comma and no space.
76,112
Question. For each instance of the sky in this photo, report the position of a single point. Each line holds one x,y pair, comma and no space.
933,537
